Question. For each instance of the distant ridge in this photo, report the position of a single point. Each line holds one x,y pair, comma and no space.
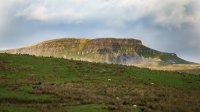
127,51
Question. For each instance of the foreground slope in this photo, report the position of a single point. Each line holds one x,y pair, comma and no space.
38,84
108,50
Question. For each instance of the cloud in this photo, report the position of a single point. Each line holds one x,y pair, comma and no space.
167,25
7,12
50,11
166,13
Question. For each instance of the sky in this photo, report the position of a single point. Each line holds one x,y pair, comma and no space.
166,25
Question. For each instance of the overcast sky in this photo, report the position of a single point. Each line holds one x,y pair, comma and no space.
166,25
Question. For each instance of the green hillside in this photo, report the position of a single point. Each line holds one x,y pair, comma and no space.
46,84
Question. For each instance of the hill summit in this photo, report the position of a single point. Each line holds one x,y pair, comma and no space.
105,50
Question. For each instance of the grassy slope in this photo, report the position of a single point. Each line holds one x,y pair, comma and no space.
39,84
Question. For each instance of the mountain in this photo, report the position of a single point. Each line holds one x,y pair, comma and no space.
105,50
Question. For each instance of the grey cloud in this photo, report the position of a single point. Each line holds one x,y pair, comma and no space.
167,25
167,13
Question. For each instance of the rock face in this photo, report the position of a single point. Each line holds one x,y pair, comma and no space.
105,50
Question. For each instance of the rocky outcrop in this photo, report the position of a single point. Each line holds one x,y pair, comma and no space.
107,50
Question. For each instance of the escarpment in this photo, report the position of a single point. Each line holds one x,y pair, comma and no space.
105,50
